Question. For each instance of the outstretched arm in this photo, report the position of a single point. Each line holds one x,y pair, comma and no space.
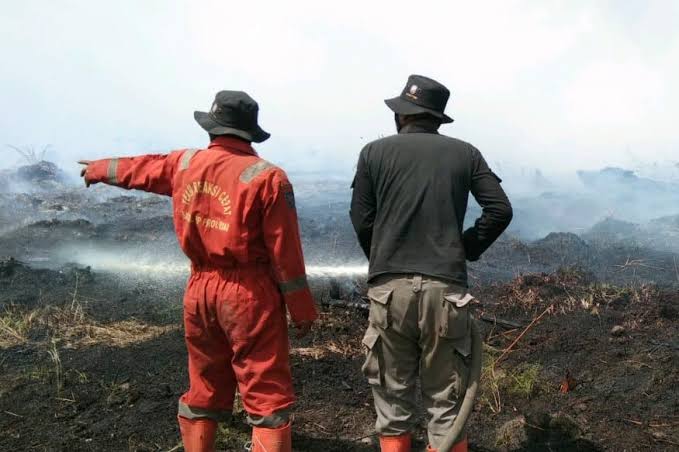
152,173
497,211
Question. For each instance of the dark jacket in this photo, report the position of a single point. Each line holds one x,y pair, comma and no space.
409,200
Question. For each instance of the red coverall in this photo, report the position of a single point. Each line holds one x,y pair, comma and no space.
235,218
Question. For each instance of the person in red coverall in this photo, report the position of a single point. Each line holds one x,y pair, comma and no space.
235,218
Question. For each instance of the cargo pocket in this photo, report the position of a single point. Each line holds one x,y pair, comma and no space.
379,307
455,321
373,365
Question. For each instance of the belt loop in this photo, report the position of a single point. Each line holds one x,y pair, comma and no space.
417,283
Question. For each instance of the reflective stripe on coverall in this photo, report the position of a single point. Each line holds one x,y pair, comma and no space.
235,218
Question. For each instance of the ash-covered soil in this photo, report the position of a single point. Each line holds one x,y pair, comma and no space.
57,223
92,362
89,226
582,355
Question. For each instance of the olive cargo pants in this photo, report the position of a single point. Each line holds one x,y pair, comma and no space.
419,326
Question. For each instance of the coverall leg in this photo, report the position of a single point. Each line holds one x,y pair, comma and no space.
236,336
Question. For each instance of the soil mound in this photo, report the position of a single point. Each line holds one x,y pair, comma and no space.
36,177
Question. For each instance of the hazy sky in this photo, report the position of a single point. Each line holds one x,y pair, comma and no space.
551,84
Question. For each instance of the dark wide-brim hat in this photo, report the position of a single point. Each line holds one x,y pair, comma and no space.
422,95
233,113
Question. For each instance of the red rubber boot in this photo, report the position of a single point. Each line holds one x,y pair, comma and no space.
198,435
272,439
399,443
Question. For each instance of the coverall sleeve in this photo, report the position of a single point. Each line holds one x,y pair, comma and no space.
281,234
363,205
496,208
152,173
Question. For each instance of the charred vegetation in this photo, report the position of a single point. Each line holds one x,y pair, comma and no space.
580,330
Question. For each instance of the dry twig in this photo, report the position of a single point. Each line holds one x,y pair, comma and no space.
535,320
635,263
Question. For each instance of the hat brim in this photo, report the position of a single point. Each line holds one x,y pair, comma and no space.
213,127
404,107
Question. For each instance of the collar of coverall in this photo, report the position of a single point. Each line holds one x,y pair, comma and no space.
422,126
230,142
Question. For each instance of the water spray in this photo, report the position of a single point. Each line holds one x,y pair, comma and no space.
134,262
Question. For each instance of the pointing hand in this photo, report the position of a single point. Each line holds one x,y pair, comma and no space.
83,172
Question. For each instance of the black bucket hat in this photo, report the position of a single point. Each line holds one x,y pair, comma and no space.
422,95
233,113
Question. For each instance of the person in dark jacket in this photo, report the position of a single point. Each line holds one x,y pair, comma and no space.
410,195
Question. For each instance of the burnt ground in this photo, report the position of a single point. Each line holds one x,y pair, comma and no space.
91,361
94,360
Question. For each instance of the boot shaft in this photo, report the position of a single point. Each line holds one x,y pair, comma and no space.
399,443
272,439
198,435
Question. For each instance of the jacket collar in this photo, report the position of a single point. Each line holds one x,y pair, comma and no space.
420,127
228,142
